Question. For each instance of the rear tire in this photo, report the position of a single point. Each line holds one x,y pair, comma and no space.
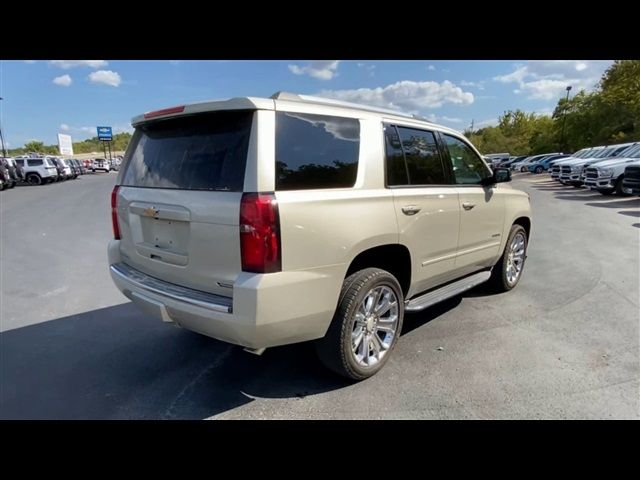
507,272
34,179
371,304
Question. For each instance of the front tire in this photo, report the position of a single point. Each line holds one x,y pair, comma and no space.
365,326
538,169
507,272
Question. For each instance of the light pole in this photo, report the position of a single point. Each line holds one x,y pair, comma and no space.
4,152
564,117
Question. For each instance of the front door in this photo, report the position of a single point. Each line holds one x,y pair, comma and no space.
481,208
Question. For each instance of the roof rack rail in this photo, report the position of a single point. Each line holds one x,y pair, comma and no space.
294,97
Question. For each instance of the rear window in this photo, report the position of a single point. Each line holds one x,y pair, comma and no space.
316,151
200,152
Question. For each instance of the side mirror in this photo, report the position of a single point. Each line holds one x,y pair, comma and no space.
500,175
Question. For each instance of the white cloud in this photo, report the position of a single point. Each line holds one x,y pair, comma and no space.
479,85
64,127
405,95
547,80
431,67
322,70
106,77
452,119
67,64
63,80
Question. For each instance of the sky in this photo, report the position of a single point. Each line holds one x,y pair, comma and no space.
43,98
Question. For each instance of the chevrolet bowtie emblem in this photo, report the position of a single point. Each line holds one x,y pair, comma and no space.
150,212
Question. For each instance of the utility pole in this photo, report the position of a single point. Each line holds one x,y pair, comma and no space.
564,118
472,125
4,152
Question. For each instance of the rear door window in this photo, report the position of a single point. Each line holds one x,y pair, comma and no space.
413,157
316,151
206,151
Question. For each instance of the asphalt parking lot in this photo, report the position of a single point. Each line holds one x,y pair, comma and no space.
563,344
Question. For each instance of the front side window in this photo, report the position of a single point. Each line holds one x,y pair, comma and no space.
468,167
412,157
316,151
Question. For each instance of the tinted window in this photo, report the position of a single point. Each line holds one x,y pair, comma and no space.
423,159
396,167
20,162
468,167
316,151
35,163
199,152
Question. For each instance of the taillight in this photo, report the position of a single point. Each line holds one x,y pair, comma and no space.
260,233
114,212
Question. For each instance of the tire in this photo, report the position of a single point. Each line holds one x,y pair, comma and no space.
500,281
523,169
358,291
618,190
34,179
538,169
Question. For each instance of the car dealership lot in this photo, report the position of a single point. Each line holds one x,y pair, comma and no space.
563,344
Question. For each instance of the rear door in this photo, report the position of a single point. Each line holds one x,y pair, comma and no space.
481,207
427,209
179,199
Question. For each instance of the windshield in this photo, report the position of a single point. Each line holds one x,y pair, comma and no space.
632,152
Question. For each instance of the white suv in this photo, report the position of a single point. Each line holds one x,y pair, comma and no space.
37,171
263,222
100,164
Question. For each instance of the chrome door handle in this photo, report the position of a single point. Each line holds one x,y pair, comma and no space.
468,205
410,210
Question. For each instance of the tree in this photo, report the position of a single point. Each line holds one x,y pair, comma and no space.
34,146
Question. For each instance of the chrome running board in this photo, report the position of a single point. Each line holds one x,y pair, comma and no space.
448,291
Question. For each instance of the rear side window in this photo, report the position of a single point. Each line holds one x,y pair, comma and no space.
35,163
316,151
413,157
200,152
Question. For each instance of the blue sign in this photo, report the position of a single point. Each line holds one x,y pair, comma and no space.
104,133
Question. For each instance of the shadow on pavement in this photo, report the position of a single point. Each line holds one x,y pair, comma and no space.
118,363
630,214
631,203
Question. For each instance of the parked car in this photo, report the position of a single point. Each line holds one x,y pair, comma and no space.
114,164
543,164
38,171
607,176
18,169
584,153
495,159
631,180
523,165
571,171
80,166
100,164
5,178
60,170
512,160
323,220
9,175
75,169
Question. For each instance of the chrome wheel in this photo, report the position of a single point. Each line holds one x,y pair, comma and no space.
375,326
515,258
